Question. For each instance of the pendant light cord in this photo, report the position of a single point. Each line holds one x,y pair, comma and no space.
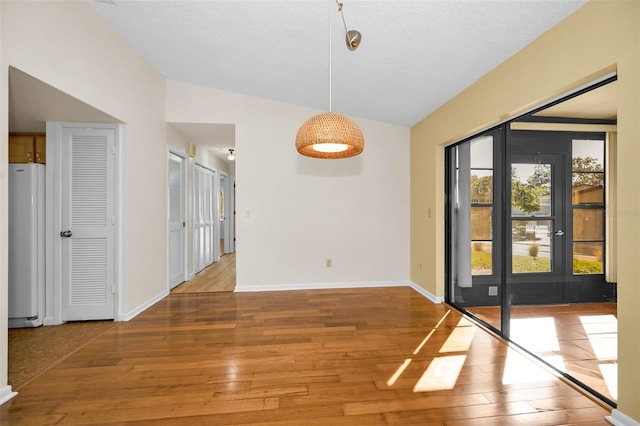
330,65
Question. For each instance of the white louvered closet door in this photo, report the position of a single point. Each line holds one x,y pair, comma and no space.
88,218
204,220
176,220
197,220
208,219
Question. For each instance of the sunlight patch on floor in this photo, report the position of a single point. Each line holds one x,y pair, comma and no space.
539,334
460,338
602,331
392,380
610,375
442,374
519,369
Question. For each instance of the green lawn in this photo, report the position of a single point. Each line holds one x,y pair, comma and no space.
524,264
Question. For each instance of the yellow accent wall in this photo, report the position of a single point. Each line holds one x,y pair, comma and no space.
599,38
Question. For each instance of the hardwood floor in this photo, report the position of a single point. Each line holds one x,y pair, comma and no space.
220,276
580,339
370,356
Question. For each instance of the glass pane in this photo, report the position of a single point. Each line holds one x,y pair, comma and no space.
587,258
481,258
481,223
587,224
587,155
531,246
481,186
587,188
482,153
531,189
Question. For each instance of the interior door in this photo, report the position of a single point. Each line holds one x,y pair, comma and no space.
176,220
87,219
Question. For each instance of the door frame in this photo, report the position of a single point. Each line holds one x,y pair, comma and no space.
185,214
225,188
53,222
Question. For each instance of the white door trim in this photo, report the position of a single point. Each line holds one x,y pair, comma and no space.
232,213
185,272
226,213
53,298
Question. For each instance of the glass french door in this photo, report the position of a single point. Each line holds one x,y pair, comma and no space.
556,216
535,254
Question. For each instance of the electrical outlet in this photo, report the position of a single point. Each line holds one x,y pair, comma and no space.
493,290
328,263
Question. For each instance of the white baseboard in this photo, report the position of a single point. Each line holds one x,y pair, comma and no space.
325,286
6,394
318,286
618,418
126,316
432,297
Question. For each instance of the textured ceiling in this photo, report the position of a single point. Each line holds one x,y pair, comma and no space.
415,55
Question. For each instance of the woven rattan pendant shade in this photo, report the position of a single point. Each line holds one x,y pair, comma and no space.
329,128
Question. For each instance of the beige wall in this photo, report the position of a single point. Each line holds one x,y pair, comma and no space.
69,46
294,212
599,38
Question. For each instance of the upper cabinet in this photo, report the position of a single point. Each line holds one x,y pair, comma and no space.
27,148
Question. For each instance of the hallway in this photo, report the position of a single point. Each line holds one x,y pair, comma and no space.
217,277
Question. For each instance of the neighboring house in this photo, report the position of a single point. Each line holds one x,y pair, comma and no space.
381,219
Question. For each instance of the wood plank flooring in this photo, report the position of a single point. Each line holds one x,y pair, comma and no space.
581,339
320,357
220,276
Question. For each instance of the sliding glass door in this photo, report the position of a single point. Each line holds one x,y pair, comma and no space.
526,244
475,212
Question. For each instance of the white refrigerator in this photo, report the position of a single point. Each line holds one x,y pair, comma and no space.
26,245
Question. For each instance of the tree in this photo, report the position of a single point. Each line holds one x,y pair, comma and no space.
526,195
583,168
481,189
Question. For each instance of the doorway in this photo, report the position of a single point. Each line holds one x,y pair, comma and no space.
556,248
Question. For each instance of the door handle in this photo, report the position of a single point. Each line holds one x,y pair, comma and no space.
65,234
559,232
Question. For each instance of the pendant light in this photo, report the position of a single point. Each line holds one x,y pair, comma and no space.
329,134
231,156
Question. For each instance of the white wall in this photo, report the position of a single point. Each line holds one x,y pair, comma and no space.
294,212
69,46
4,224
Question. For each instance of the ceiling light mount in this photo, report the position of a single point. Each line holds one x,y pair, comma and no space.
352,37
231,156
332,135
